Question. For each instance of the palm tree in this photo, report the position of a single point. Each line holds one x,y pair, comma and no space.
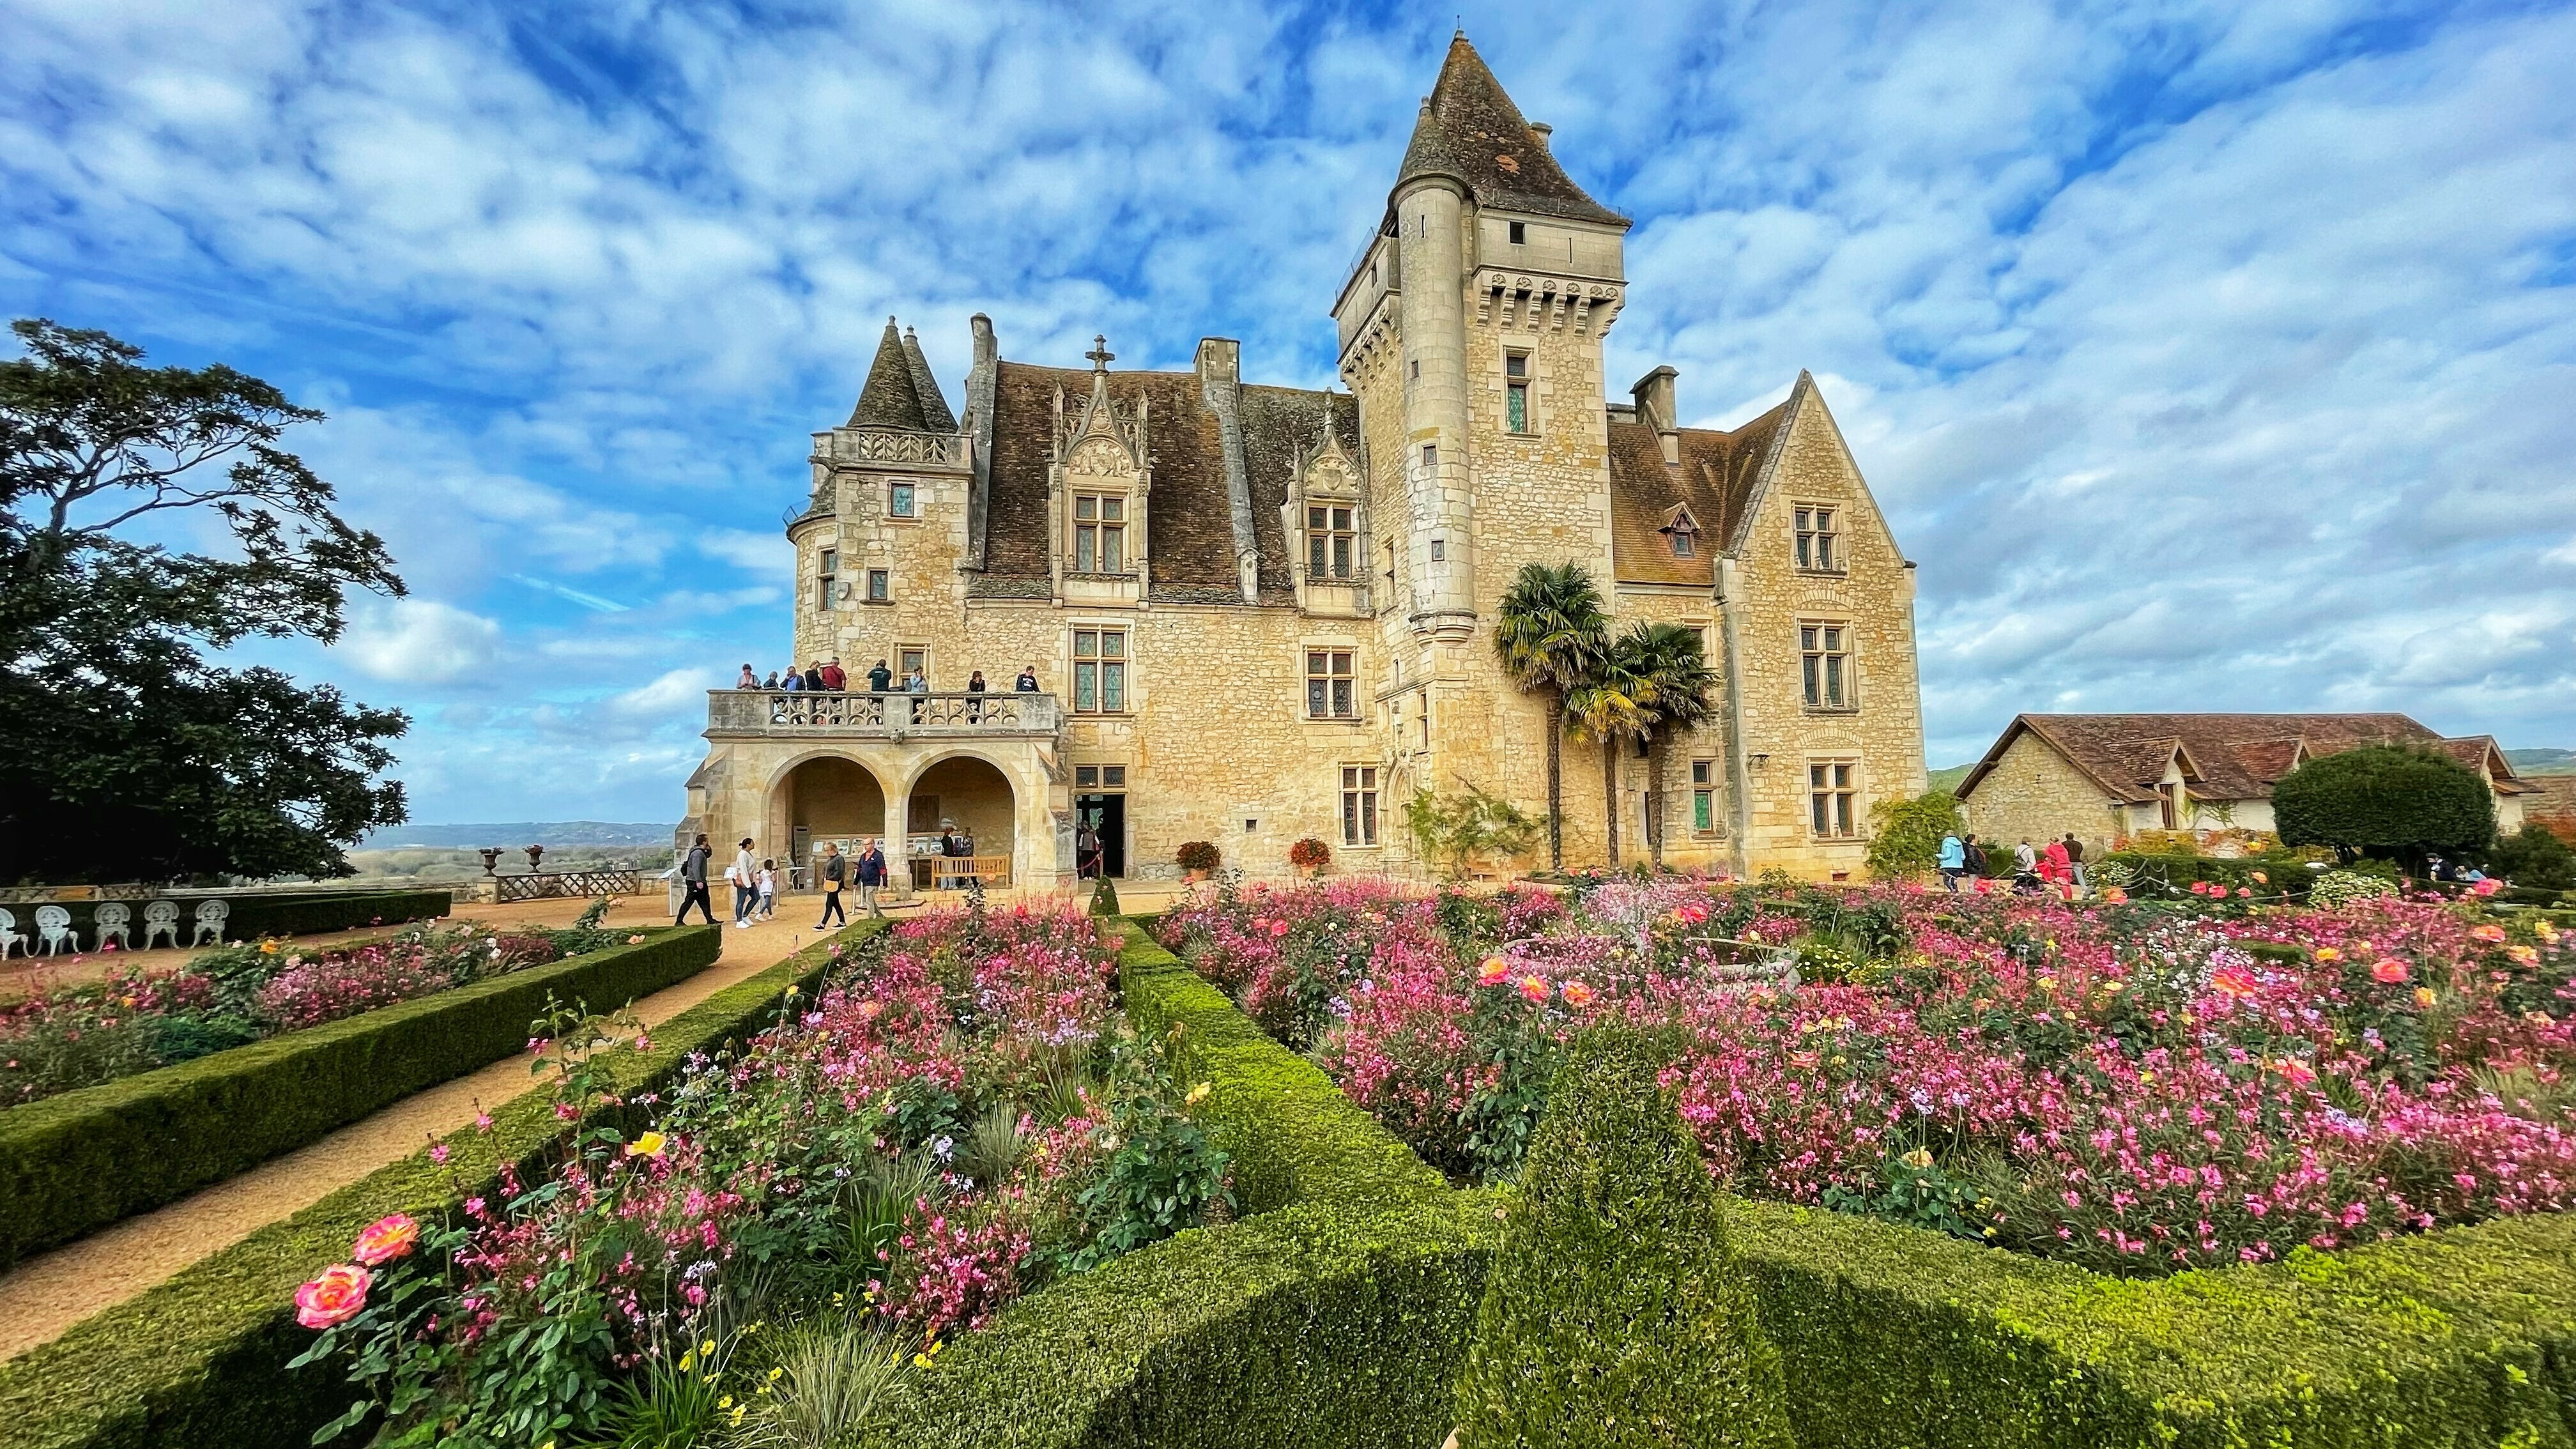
1549,633
1614,703
1670,656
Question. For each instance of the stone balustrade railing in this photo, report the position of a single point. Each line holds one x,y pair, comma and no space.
774,713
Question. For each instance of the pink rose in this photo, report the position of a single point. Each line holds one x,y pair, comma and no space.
1534,987
334,1296
387,1238
1578,995
2389,971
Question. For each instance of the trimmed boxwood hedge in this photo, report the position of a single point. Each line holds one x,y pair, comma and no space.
72,1164
269,913
2283,874
200,1360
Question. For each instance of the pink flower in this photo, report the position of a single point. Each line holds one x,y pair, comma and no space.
1534,987
483,1121
2244,893
1493,971
387,1238
2486,887
2389,971
335,1295
2489,933
1278,928
1578,995
438,1153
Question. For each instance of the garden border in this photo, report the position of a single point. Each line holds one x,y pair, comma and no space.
77,1162
259,914
201,1359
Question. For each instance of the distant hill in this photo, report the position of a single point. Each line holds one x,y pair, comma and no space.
1948,779
511,835
2543,762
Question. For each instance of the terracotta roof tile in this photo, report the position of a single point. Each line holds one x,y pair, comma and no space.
1715,480
2237,756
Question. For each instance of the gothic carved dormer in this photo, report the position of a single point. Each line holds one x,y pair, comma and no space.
1326,524
1097,484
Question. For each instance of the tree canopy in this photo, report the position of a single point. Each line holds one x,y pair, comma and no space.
124,753
2388,800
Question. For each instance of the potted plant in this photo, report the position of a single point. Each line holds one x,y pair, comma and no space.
1198,857
1310,856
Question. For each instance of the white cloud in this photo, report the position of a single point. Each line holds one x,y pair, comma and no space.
420,641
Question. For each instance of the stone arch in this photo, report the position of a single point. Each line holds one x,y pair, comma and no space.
977,792
819,796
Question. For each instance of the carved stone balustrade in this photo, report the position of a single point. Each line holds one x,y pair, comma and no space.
762,714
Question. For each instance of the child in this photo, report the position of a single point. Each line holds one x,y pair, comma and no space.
768,888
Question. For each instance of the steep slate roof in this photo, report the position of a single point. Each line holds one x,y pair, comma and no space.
2235,756
891,398
1715,480
1189,517
925,387
1471,130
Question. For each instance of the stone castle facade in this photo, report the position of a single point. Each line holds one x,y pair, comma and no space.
1261,613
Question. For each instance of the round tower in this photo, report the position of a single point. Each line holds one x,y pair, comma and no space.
1429,213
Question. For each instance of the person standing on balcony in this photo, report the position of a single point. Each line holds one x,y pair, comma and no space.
835,870
975,707
772,681
1028,683
749,680
693,876
791,679
880,679
814,676
916,684
872,877
833,679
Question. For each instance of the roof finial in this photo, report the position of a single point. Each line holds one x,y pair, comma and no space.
1100,354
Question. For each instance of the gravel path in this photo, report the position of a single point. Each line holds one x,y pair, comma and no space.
49,1293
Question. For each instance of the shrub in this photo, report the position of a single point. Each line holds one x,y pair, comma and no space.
1310,854
2338,888
2385,798
1197,855
1104,897
1615,1312
1905,835
2534,859
1454,831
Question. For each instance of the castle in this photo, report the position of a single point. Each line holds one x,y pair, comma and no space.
1258,614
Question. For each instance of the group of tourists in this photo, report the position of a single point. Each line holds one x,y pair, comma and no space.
2057,866
826,675
755,882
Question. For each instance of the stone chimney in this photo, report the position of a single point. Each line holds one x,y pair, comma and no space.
1541,131
1655,408
1220,360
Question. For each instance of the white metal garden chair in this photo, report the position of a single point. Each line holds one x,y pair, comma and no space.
11,938
160,918
210,921
114,922
54,930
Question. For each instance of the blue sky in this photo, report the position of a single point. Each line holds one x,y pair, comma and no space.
2206,356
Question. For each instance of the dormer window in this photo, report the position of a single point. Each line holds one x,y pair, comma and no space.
1681,532
1328,542
1099,533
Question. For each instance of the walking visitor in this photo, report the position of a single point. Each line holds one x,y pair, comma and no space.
693,879
835,870
768,888
2025,868
872,876
1954,861
2075,864
744,873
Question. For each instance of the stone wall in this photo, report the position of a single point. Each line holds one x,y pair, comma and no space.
2033,793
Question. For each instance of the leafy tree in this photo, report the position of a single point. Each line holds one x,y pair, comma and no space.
1614,703
123,753
1550,631
1451,831
2534,857
1905,835
2388,800
1615,1313
1671,658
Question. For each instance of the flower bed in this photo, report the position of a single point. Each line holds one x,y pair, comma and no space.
957,1118
2133,1088
136,1020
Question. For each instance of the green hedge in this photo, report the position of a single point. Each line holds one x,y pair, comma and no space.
2285,874
200,1360
1896,1336
266,913
72,1164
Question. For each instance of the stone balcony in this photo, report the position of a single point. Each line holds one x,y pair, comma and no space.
773,714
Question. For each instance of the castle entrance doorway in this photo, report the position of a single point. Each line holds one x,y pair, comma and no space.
1100,807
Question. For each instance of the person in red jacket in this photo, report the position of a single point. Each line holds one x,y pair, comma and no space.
833,679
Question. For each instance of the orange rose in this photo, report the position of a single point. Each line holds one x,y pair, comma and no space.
1493,971
387,1238
1578,995
2389,971
334,1296
2489,933
1534,987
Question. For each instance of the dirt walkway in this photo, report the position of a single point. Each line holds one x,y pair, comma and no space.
47,1294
